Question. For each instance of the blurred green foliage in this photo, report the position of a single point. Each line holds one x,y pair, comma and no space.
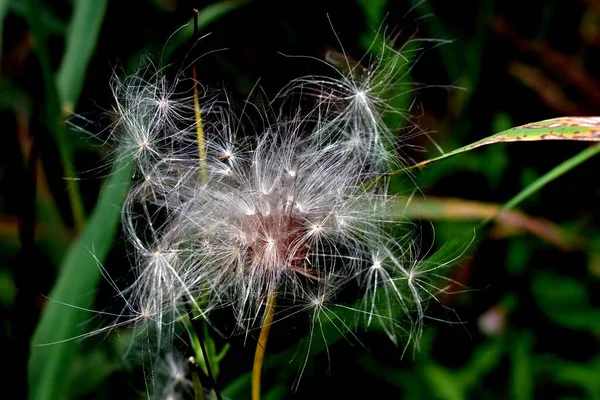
523,323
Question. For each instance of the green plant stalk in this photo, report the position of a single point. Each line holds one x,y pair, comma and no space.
195,343
198,390
199,132
548,177
198,117
200,350
80,43
53,117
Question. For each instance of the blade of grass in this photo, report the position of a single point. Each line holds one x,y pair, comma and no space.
548,177
564,128
443,382
52,115
484,360
566,301
215,11
51,233
522,382
81,39
373,10
582,375
79,274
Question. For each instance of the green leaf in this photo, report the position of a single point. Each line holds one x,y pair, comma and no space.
79,276
485,358
80,44
51,22
582,375
565,301
239,388
215,11
521,370
373,10
518,256
564,128
443,383
52,114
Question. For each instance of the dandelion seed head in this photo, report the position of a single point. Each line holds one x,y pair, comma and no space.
295,206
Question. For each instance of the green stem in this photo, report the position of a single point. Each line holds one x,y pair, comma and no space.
200,352
53,117
198,116
198,390
200,132
548,177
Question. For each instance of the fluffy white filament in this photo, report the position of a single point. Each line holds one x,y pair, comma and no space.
298,209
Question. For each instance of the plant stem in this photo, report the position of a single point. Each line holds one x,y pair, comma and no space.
209,370
261,346
52,116
548,177
197,343
199,132
198,115
198,390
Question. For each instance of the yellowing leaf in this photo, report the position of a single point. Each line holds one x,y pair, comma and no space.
585,129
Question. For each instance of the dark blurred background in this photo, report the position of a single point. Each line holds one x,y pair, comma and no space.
525,324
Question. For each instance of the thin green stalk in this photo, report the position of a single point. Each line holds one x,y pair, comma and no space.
198,390
209,370
199,348
200,133
53,117
548,177
195,343
198,115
